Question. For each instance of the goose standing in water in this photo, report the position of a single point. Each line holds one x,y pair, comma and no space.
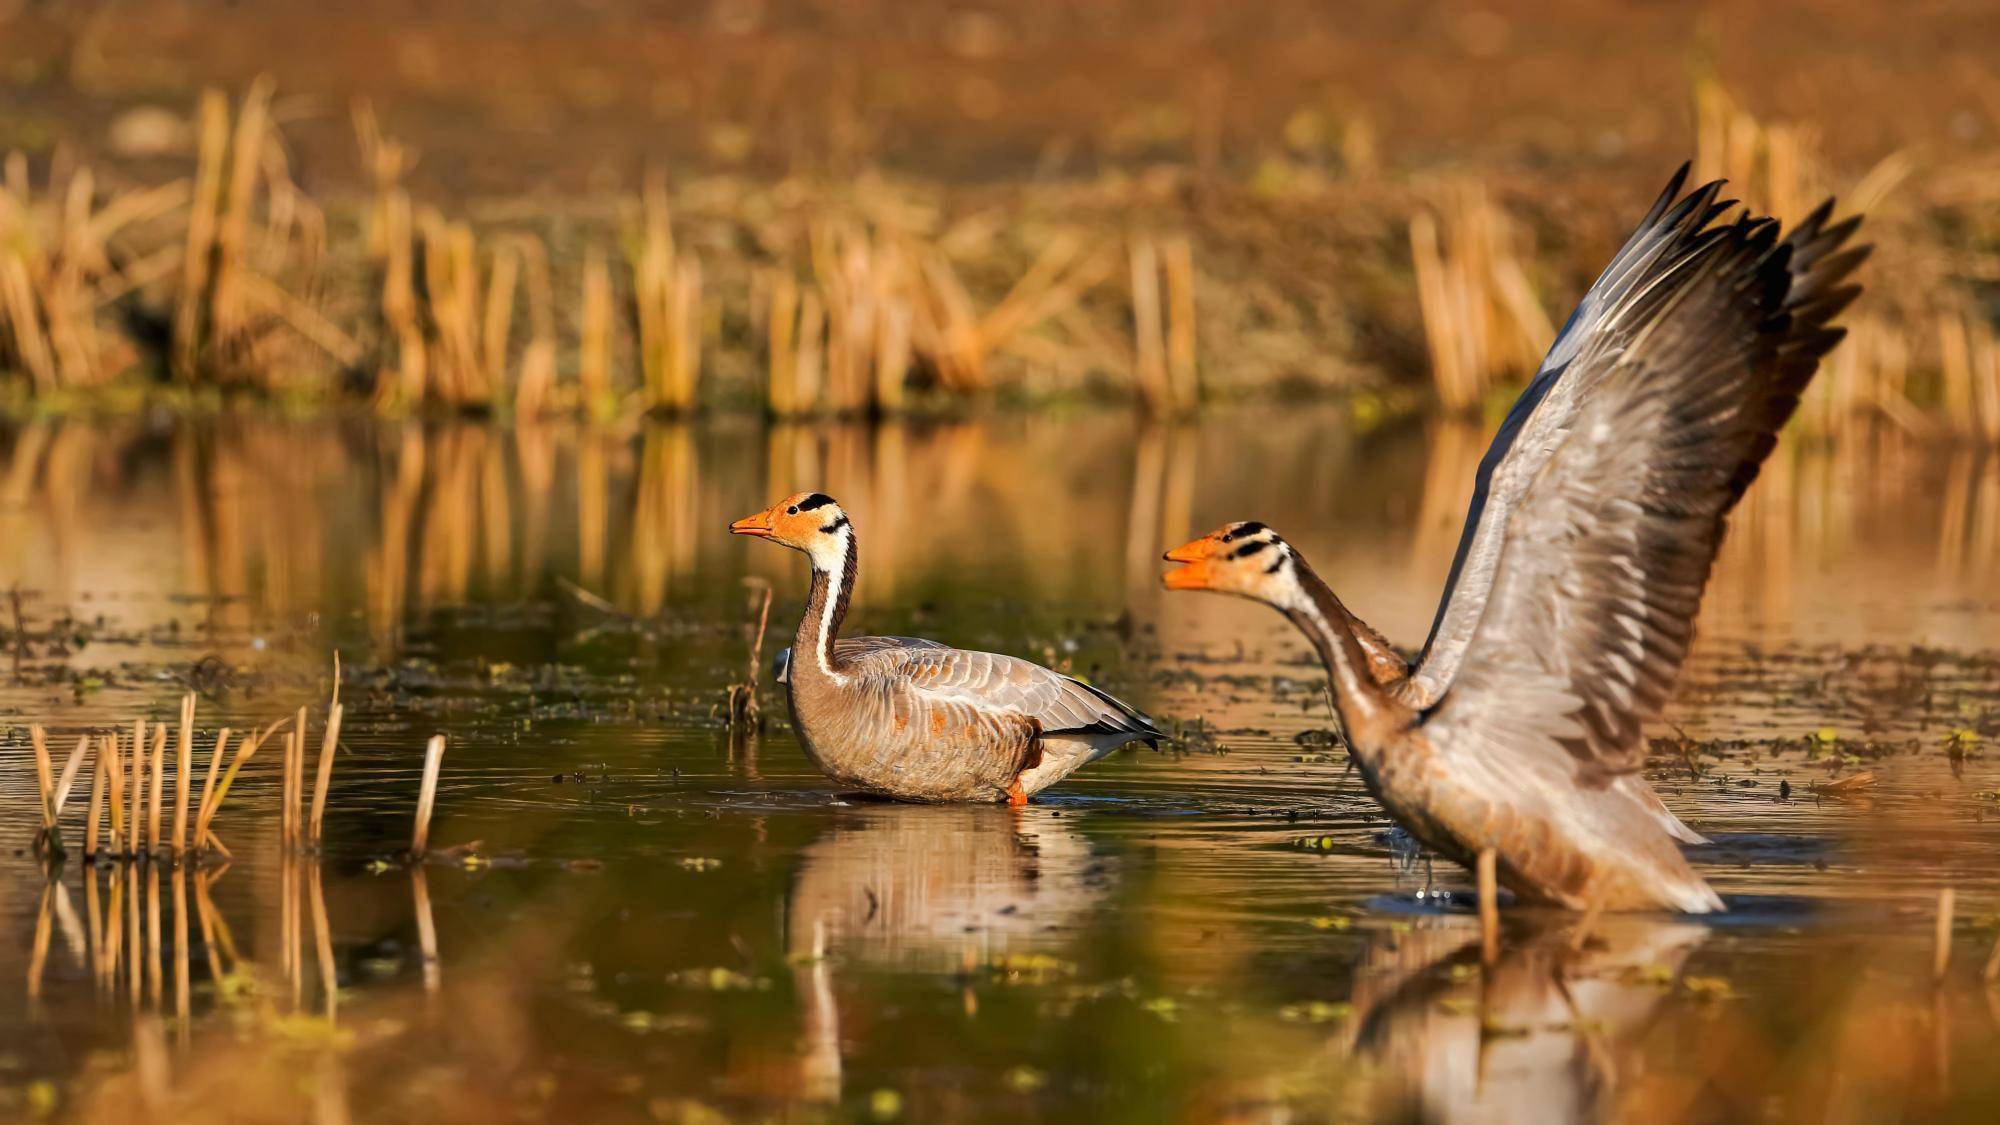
917,720
1594,524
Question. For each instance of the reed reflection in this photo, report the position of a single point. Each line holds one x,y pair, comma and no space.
267,518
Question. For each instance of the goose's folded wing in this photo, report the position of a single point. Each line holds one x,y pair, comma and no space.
989,681
1601,328
1602,561
850,648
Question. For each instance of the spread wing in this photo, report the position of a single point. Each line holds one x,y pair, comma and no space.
1602,327
1604,554
991,682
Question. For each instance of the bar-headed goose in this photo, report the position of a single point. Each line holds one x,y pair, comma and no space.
1571,603
917,720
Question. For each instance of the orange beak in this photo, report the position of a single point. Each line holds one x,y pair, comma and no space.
1193,573
758,525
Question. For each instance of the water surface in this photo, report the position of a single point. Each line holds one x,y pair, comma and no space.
634,913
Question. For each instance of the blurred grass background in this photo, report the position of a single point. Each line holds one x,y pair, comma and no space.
816,207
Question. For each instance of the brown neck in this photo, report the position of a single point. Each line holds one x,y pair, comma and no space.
1380,659
1357,659
812,648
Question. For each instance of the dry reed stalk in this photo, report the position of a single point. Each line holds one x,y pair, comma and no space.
782,394
137,820
594,358
288,782
743,700
229,307
1941,939
1149,356
1179,263
1969,374
1481,318
59,271
208,784
427,796
810,352
947,330
1774,166
496,323
70,771
666,298
45,785
1489,907
535,388
299,778
201,229
156,799
204,823
325,775
184,763
114,762
90,823
399,307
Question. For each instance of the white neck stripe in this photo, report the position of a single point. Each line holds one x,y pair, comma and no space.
836,576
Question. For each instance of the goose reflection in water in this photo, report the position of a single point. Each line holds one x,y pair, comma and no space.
1542,1035
927,889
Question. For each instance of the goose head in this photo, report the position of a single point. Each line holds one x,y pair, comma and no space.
810,522
1245,559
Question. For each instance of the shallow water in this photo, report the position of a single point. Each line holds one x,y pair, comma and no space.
635,915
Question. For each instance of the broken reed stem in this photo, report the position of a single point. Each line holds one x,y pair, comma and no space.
69,773
299,779
45,784
97,778
1941,957
286,806
208,785
1489,907
182,762
137,778
204,828
115,764
157,798
325,777
427,797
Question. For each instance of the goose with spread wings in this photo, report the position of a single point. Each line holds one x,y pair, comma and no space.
1595,521
916,720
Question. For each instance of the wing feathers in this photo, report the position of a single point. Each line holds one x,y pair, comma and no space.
1600,565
